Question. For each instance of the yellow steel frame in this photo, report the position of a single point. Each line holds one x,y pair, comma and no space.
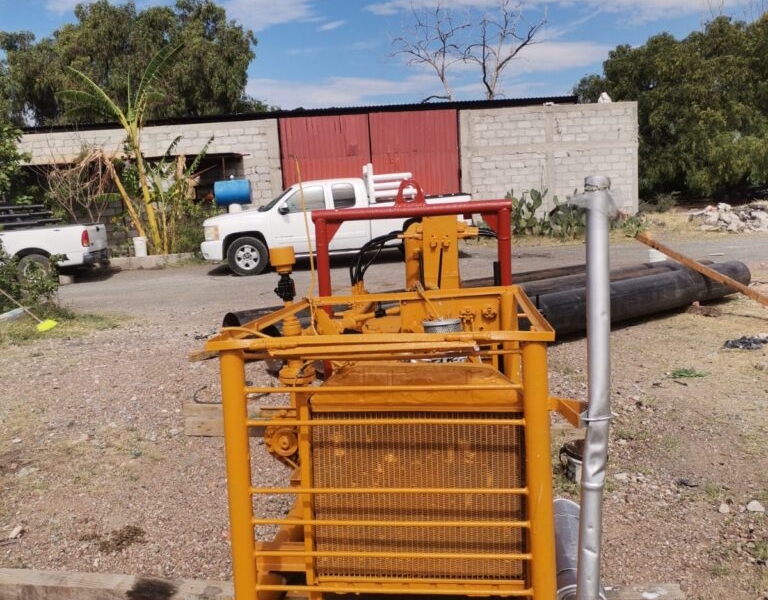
483,341
490,373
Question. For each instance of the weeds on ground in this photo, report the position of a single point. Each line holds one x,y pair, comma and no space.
687,372
24,330
661,202
759,551
720,571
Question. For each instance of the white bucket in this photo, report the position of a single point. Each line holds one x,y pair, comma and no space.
139,246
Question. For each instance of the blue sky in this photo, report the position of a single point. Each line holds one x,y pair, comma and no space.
326,53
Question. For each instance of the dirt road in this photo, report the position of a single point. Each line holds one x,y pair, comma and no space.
203,293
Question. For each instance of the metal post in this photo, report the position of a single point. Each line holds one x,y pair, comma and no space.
238,459
322,244
539,469
600,208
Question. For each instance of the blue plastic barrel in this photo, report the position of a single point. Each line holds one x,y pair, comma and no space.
232,191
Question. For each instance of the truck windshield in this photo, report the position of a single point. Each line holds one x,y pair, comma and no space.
271,203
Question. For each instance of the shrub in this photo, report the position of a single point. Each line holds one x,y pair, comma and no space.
564,221
525,221
34,289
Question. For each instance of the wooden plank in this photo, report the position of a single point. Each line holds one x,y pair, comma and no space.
202,410
706,271
203,427
198,355
29,584
206,420
663,591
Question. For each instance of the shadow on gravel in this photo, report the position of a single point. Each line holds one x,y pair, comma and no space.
84,274
221,271
337,262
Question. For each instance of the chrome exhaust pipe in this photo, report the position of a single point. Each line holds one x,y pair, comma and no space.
600,207
567,548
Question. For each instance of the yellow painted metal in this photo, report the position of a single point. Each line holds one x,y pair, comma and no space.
422,461
237,449
572,410
282,258
539,463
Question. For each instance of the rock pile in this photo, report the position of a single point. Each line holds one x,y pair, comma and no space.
724,217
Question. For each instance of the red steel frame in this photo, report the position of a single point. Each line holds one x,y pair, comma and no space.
497,213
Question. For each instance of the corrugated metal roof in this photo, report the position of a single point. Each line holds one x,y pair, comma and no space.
299,112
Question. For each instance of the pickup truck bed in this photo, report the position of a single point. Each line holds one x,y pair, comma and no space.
73,245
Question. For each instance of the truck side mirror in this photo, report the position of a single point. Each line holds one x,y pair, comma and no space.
283,209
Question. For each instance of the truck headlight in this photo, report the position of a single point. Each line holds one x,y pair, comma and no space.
211,233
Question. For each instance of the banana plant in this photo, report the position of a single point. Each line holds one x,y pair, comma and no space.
142,211
171,180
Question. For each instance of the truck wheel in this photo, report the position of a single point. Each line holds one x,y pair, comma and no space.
248,256
35,266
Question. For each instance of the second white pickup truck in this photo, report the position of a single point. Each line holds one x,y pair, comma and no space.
243,238
33,246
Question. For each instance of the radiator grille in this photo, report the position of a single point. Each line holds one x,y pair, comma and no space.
419,455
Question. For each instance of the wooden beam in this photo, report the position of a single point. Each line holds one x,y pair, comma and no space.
206,420
646,239
29,584
665,591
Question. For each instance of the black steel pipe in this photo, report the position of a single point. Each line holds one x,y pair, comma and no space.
641,296
579,280
636,291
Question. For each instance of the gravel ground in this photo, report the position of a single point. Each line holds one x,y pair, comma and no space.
97,474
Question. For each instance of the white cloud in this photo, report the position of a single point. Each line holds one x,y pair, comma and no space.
59,7
634,11
331,25
340,91
646,11
558,56
392,7
261,14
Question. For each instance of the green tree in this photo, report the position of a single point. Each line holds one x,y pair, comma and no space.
702,110
113,44
12,177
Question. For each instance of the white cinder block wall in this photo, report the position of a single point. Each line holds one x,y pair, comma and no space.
550,147
501,149
255,141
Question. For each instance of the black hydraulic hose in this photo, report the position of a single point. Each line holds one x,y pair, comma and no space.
358,268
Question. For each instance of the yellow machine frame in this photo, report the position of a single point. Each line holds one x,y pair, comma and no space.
403,479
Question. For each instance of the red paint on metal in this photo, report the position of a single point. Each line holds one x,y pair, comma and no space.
425,143
499,211
325,147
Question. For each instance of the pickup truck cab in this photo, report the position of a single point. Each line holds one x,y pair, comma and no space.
243,237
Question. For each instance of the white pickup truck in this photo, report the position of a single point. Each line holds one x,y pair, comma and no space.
73,245
243,237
